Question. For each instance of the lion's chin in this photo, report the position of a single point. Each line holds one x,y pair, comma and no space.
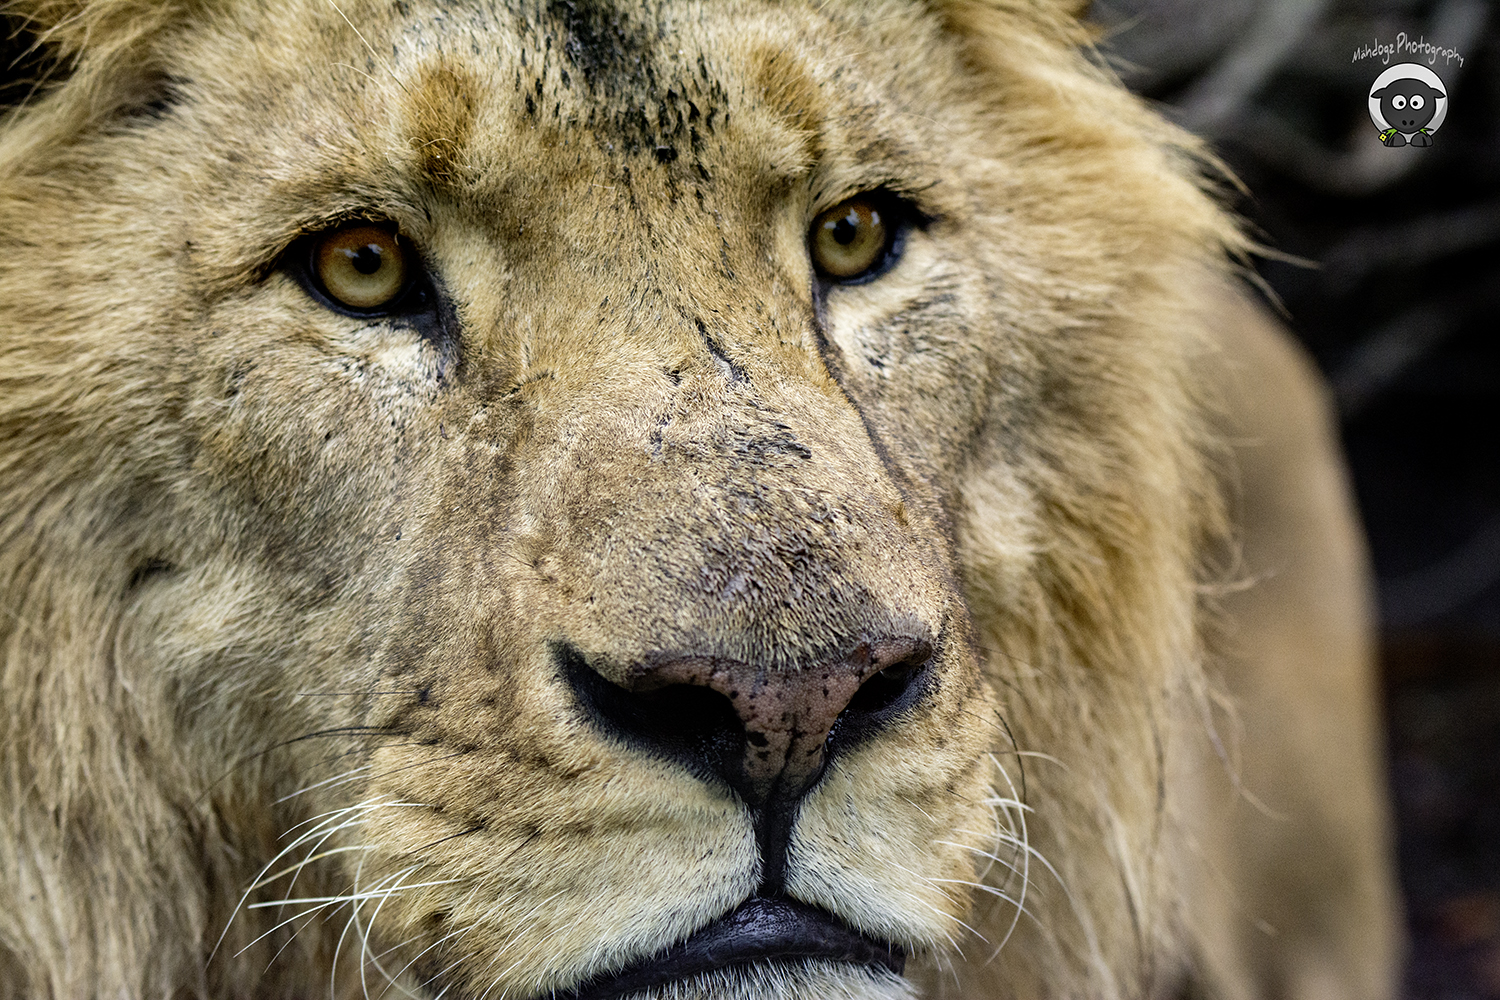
805,980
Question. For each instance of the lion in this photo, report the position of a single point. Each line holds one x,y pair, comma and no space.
723,499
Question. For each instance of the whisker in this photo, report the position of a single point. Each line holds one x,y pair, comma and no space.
319,734
993,858
338,947
366,955
367,805
300,840
918,876
982,887
419,763
340,827
353,897
416,958
460,960
521,926
310,912
452,836
1020,838
307,861
340,778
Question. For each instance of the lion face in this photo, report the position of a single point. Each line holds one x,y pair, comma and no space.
584,471
636,612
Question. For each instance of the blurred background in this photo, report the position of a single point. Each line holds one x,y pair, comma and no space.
1398,301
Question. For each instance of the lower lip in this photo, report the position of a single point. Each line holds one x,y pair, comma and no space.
762,930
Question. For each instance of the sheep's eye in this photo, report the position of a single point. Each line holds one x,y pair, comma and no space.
362,267
1417,102
1398,102
852,240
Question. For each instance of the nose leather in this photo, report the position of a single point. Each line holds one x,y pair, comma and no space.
787,715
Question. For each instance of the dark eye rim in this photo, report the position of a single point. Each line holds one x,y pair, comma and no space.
416,296
901,216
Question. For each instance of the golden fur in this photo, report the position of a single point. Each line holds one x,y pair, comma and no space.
282,588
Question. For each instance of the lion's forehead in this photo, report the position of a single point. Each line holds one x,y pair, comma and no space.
469,97
626,70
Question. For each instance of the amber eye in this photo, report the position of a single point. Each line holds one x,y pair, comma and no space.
363,266
851,239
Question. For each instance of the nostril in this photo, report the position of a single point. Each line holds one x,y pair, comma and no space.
883,697
692,725
677,713
886,687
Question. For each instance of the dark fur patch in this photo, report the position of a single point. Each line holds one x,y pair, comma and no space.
25,65
788,89
609,49
442,108
148,570
154,99
610,68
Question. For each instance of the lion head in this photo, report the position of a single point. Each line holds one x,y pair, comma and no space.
591,499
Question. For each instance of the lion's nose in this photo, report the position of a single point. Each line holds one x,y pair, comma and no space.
767,733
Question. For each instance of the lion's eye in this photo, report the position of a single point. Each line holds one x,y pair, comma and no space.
362,267
853,239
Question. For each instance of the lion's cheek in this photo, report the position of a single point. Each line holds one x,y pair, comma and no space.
895,841
308,438
547,870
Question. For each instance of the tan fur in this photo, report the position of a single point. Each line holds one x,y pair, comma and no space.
282,588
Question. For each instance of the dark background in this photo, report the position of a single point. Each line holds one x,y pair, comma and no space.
1399,308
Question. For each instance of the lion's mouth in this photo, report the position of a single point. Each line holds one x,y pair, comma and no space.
762,930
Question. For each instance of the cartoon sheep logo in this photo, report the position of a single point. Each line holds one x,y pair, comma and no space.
1408,103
